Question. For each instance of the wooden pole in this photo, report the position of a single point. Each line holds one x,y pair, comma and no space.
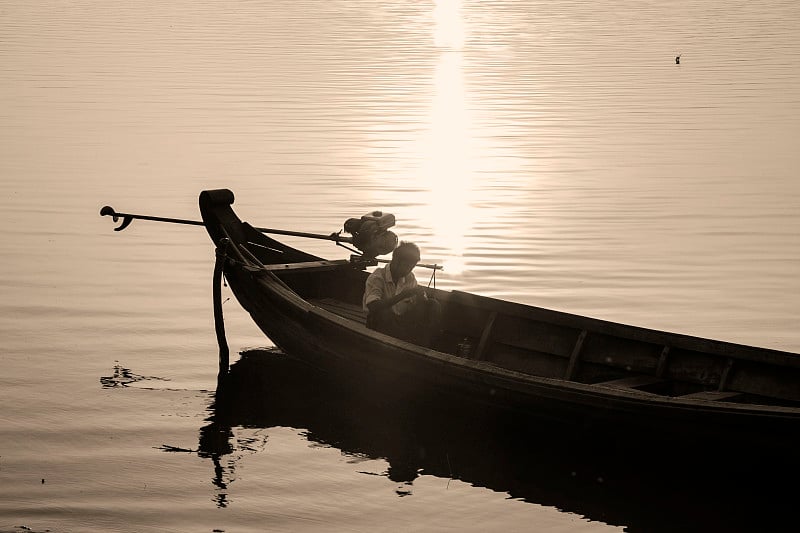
219,323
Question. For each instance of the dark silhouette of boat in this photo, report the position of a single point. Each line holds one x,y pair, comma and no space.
651,385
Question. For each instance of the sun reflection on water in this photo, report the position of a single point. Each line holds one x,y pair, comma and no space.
454,178
448,24
447,173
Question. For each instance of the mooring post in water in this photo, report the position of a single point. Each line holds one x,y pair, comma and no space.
219,323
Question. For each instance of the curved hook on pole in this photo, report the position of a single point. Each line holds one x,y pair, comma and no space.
126,221
107,210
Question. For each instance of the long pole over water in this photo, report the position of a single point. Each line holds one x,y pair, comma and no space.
127,218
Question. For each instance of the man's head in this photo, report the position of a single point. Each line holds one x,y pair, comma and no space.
404,258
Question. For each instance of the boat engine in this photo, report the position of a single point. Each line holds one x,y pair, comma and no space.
371,233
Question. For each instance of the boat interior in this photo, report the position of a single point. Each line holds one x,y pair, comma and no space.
551,344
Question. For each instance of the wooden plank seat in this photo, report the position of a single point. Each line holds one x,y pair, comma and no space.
712,395
343,309
631,382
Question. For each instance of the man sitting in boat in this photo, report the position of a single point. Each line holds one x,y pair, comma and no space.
396,305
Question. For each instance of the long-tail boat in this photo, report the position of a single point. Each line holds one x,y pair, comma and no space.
522,359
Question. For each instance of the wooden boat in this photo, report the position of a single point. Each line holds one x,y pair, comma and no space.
525,359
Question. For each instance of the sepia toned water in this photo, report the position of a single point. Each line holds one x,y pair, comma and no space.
548,152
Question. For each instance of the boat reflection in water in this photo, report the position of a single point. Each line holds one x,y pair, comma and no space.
585,471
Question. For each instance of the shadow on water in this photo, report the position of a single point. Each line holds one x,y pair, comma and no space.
643,488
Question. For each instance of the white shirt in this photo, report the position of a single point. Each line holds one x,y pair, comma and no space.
381,286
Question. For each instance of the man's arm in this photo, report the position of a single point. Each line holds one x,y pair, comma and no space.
383,304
